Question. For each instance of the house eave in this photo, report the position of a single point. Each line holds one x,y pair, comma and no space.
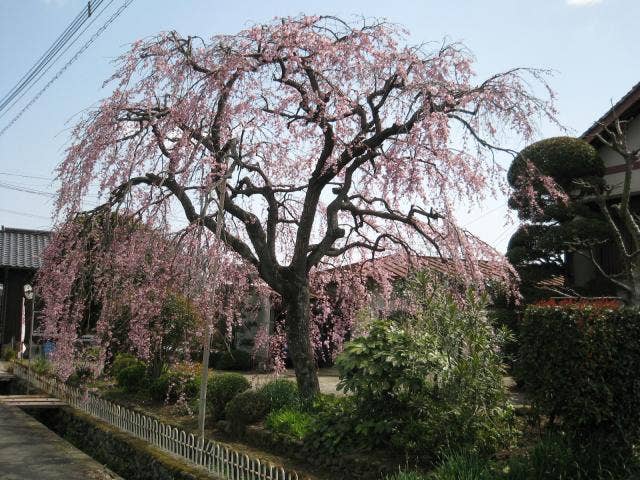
627,107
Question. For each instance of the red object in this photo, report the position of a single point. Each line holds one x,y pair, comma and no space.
596,302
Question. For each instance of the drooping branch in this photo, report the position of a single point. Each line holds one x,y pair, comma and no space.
331,129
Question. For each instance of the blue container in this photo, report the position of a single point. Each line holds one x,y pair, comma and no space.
48,348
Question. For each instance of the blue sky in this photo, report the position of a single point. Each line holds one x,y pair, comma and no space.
588,43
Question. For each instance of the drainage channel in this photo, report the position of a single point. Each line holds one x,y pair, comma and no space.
30,450
41,439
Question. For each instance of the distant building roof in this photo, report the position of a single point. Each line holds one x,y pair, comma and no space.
397,266
628,106
21,248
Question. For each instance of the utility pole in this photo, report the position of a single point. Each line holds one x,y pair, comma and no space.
211,275
28,294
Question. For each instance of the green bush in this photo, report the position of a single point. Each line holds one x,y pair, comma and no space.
424,383
173,385
80,377
232,360
221,389
580,366
407,476
122,361
551,458
133,378
41,366
505,320
246,408
333,428
178,317
290,422
462,466
281,393
557,457
9,354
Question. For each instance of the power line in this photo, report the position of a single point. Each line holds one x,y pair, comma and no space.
51,52
36,177
485,214
24,214
18,188
68,64
42,72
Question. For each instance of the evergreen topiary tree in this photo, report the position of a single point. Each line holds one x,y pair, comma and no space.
548,179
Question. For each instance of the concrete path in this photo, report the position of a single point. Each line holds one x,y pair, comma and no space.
30,451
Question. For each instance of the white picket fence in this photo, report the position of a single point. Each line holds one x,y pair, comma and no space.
216,458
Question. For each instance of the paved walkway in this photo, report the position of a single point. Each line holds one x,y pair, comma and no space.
30,451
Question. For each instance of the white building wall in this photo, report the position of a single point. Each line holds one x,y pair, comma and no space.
583,269
612,159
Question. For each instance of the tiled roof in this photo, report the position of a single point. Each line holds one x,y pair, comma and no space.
397,266
22,248
627,106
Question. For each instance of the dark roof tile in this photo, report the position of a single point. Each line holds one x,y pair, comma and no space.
22,248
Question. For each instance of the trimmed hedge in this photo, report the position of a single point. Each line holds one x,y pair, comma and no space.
581,366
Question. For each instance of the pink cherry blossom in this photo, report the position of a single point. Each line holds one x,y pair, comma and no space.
336,142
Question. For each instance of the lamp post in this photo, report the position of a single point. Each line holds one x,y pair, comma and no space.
28,294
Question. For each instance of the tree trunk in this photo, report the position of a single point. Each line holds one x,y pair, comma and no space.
299,341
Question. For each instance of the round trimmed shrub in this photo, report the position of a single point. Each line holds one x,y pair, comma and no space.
222,389
246,408
281,394
122,361
133,378
563,158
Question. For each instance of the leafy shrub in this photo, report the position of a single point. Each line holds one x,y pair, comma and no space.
580,366
246,408
122,361
551,458
290,422
557,457
281,393
424,383
462,466
41,366
333,428
81,376
506,321
221,389
9,354
177,318
407,476
172,385
133,378
232,360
